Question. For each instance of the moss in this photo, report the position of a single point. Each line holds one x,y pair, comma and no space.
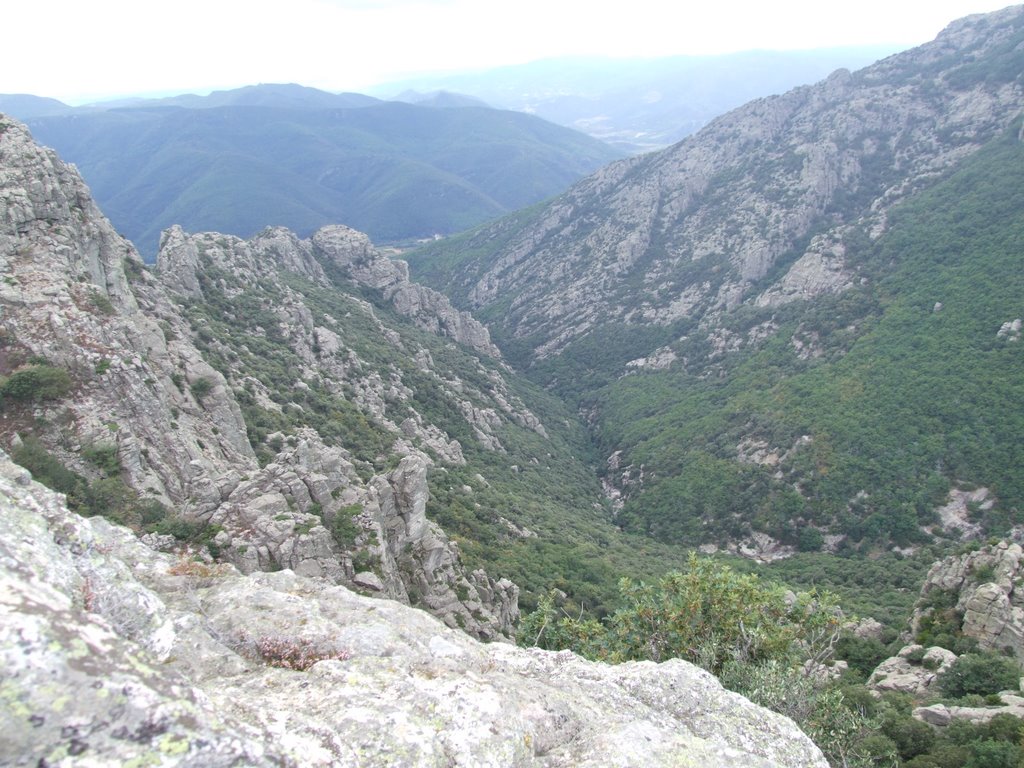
173,745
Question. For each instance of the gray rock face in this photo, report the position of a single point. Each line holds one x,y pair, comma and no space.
985,584
77,294
942,715
430,310
701,224
74,292
268,519
900,674
204,671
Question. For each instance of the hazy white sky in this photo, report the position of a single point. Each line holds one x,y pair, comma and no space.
80,50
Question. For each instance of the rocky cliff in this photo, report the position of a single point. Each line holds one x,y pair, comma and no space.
754,209
134,353
982,590
114,654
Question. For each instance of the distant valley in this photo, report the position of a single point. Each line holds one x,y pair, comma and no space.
795,328
638,105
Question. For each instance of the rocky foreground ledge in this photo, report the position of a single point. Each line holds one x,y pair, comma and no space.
113,654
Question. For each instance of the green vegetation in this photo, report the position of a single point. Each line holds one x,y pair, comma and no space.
105,495
536,516
741,628
396,171
201,388
708,614
905,397
748,633
980,673
36,383
343,528
101,302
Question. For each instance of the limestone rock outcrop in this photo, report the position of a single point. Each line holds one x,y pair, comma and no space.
73,292
115,654
984,588
137,348
914,670
942,714
354,254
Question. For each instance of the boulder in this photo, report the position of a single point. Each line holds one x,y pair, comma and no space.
904,674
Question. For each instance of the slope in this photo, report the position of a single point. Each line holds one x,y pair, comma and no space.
696,303
860,411
396,171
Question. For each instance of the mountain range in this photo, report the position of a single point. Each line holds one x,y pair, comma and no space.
794,336
238,161
638,105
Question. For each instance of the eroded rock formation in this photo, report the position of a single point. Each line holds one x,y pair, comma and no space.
983,587
76,295
115,654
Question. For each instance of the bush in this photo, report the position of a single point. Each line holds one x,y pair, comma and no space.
103,457
48,469
861,653
201,388
708,614
40,382
102,302
911,737
840,728
980,673
343,527
994,754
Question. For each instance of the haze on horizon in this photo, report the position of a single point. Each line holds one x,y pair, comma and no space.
80,52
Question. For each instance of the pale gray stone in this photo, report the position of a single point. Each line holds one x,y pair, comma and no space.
198,686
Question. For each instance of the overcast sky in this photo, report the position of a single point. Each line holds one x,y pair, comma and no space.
81,50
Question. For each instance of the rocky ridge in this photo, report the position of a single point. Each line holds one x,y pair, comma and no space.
755,209
114,654
76,295
983,588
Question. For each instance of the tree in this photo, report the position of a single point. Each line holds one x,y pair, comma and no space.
39,382
201,388
708,614
980,673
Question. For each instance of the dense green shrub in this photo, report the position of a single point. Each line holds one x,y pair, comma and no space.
103,456
980,673
834,723
47,469
39,382
201,388
861,653
343,527
709,614
102,302
911,737
993,754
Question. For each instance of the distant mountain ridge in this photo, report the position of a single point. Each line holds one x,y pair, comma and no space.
641,104
285,155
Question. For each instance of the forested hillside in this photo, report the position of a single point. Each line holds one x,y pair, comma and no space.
857,415
395,171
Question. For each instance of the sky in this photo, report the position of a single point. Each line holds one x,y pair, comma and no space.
86,50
